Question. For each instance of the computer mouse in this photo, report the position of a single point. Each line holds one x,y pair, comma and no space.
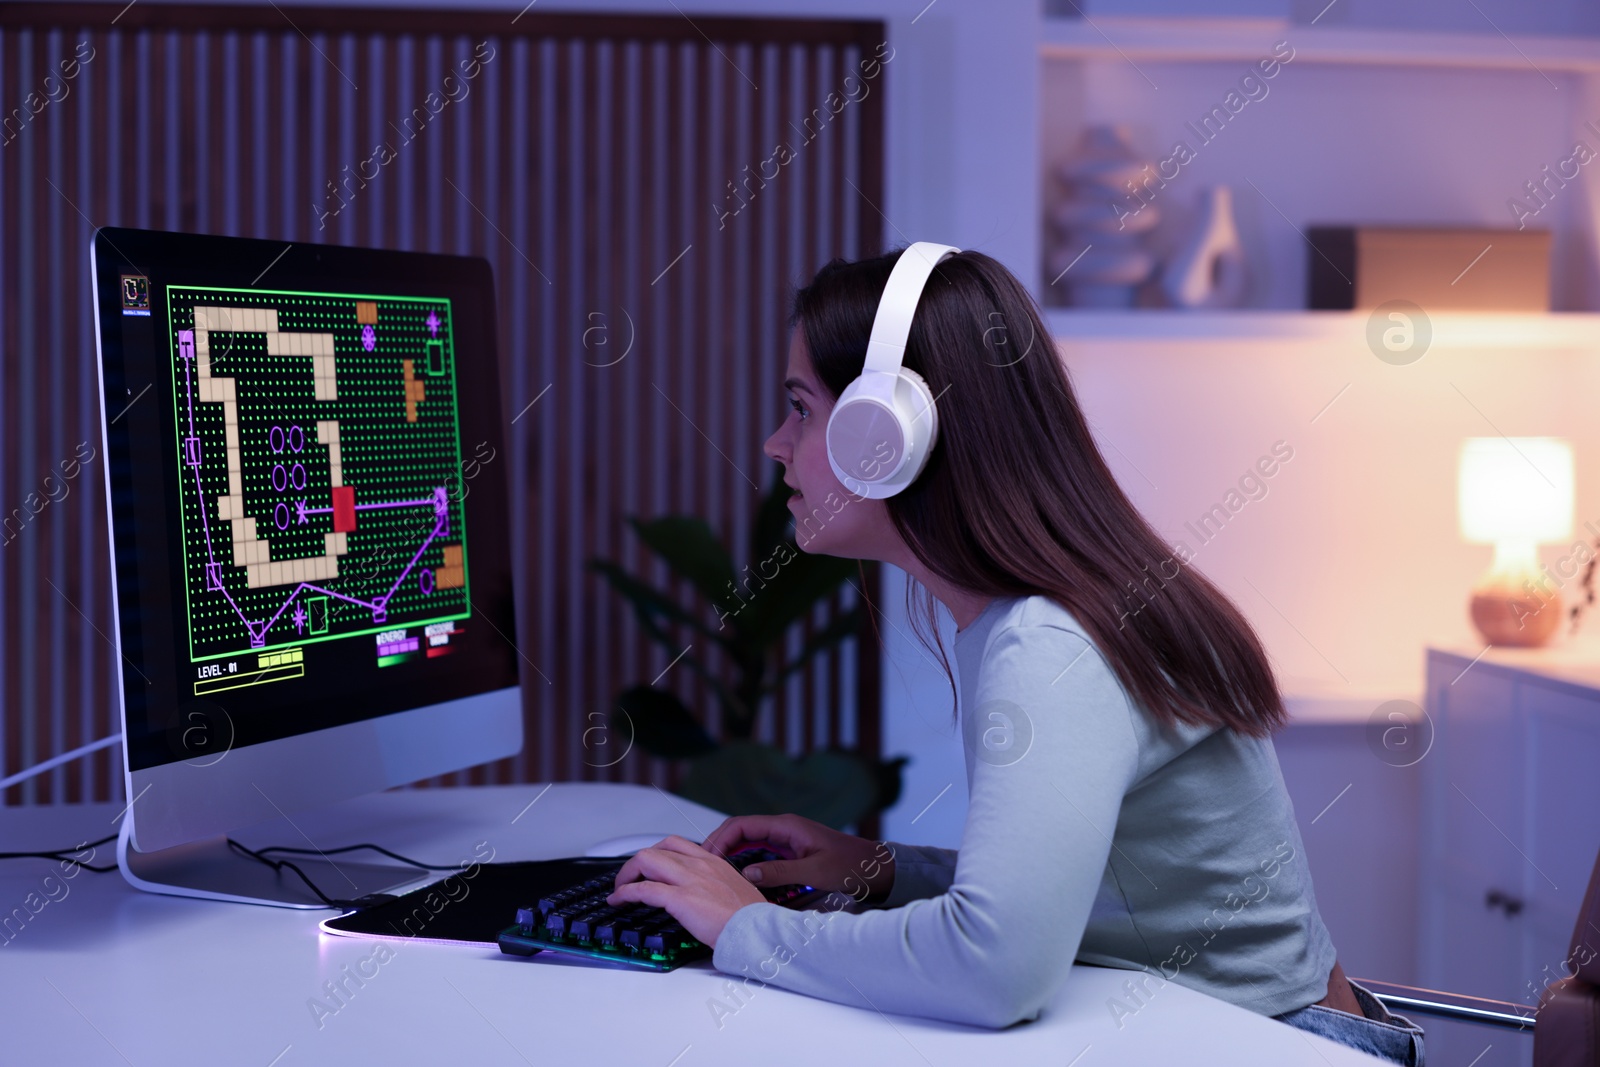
626,845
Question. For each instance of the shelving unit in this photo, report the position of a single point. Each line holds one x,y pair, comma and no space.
1210,40
1557,330
1362,126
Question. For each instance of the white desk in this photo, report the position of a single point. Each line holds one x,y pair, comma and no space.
109,975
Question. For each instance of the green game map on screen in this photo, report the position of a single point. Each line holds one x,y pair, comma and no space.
319,458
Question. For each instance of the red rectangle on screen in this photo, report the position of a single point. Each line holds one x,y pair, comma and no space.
344,509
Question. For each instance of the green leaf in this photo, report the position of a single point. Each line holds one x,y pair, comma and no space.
887,773
692,550
783,589
841,628
649,604
749,778
660,723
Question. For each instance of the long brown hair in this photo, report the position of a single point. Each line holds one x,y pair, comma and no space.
1016,499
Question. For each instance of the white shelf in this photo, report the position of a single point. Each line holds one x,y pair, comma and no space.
1451,329
1246,40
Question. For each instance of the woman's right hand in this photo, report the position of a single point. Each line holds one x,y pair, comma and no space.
822,857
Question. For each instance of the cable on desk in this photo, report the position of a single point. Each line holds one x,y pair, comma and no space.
360,902
278,865
352,848
62,855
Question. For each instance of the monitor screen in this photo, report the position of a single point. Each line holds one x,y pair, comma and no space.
307,482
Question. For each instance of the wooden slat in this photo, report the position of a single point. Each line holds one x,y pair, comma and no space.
11,181
614,243
74,362
816,253
780,280
598,535
104,779
34,545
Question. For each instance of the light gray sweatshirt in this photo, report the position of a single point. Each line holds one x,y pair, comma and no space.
1093,833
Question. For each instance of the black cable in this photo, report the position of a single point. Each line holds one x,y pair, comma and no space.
332,902
352,848
62,855
346,905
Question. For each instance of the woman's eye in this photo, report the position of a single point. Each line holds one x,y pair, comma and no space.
798,407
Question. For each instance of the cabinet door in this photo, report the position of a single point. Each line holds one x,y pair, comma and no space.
1480,945
1477,777
1563,820
1471,830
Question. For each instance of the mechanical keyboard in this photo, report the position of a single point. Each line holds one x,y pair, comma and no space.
578,921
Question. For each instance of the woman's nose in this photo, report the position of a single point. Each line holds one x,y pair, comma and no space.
773,447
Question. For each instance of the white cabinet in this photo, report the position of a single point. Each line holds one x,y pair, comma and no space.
1510,828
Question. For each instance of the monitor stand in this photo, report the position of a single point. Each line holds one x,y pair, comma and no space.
210,870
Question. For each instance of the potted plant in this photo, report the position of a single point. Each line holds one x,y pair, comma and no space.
752,613
1587,587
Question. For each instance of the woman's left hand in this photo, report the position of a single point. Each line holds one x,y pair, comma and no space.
700,889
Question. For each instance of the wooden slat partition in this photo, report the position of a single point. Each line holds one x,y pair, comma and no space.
589,158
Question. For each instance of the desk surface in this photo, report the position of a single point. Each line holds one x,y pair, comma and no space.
103,973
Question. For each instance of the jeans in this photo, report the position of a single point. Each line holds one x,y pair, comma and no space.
1382,1033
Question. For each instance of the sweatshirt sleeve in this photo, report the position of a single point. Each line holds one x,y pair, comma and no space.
1054,752
920,871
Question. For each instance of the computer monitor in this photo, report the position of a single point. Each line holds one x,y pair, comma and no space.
312,575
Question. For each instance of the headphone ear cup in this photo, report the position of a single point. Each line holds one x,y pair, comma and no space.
865,436
879,439
919,418
922,400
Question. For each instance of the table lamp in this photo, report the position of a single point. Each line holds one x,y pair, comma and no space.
1514,493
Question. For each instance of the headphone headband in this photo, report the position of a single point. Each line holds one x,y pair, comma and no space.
891,326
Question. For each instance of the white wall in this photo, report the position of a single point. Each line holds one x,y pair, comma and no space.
1352,560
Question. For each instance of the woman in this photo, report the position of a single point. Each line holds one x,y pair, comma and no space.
1126,807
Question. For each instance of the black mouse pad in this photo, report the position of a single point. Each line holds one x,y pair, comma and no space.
472,906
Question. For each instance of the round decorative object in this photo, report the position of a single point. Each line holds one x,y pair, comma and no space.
1097,227
1508,617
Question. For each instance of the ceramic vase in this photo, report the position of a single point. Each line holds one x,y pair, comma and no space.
1208,270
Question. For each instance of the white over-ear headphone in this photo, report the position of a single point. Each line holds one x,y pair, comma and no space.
884,424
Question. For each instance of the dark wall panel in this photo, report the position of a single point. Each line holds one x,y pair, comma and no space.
595,161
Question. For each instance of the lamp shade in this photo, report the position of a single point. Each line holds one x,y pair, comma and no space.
1515,489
